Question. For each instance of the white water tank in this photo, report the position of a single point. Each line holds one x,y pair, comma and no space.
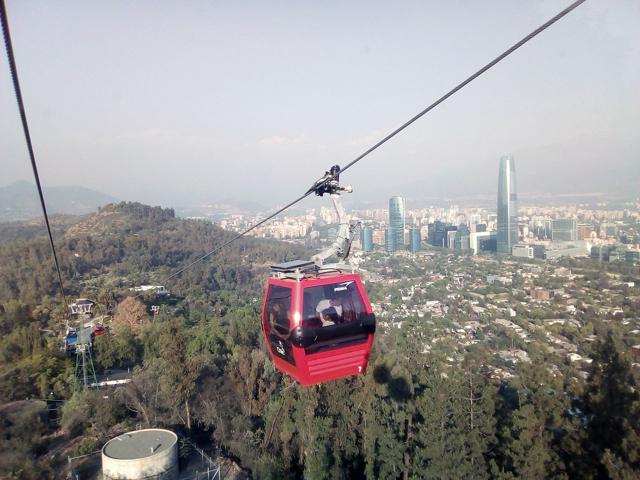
142,454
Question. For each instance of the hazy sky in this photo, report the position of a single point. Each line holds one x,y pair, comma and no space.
180,102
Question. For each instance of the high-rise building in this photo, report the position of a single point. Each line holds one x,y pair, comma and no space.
390,240
564,230
397,219
478,239
462,238
488,243
415,239
449,236
507,206
366,239
437,233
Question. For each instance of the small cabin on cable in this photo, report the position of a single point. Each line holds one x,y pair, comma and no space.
317,322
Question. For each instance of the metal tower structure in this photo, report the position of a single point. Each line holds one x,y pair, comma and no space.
85,373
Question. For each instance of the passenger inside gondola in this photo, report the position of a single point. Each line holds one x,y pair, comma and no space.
330,317
278,319
332,304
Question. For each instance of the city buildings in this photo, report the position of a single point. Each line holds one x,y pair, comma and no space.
366,239
390,240
567,249
451,238
584,231
397,219
507,206
523,251
437,233
415,239
548,230
482,242
564,230
462,238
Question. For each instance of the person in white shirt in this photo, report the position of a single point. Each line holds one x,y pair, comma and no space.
336,303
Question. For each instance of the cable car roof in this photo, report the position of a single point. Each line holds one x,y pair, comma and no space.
301,269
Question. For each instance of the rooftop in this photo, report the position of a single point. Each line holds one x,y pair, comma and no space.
139,444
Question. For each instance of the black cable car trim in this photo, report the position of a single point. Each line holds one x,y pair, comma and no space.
304,337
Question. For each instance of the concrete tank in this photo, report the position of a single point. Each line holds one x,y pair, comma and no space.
142,454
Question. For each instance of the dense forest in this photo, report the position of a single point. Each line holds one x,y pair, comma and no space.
201,368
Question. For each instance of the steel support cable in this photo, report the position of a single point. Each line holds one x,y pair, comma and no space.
444,97
241,234
464,83
25,127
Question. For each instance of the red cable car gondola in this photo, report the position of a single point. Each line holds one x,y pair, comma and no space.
318,325
317,319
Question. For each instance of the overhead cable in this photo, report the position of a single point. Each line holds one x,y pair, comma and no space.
241,234
462,84
444,97
25,127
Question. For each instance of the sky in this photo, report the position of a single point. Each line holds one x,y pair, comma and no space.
180,103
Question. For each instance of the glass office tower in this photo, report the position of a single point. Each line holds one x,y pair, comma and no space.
507,206
366,239
397,219
564,230
462,238
415,239
390,240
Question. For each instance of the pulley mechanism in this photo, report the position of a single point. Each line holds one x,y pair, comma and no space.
330,183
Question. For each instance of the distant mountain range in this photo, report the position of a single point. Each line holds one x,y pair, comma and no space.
19,201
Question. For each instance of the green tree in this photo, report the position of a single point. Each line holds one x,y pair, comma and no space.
179,372
612,404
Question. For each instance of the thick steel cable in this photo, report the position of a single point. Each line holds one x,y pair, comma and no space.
462,84
242,234
25,127
444,97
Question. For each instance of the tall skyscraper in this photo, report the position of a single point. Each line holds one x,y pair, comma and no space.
366,239
390,240
415,239
449,236
397,219
437,234
507,206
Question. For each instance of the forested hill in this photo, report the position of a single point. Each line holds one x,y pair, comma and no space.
126,244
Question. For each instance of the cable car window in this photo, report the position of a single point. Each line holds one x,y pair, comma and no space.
333,304
278,306
277,321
